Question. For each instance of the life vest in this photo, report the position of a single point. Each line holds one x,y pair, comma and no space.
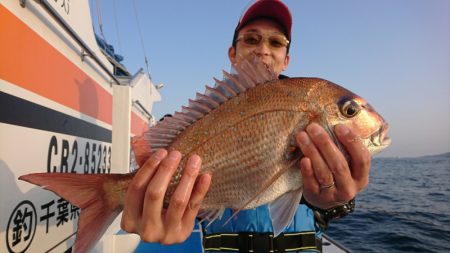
251,231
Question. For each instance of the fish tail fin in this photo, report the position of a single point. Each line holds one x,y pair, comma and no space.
90,193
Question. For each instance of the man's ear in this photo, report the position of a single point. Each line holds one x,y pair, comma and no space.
286,62
232,54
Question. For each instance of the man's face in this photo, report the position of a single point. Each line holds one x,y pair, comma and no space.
274,57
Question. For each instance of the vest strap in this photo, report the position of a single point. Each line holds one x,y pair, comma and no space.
260,242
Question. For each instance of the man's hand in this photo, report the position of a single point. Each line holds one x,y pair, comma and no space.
144,213
327,178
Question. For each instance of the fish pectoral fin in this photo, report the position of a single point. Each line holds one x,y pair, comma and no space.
293,153
282,210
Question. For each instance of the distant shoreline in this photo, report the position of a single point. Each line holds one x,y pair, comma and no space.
446,154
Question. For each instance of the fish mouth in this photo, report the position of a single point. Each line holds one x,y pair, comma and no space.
379,139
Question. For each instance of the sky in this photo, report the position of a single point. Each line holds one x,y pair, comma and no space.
395,54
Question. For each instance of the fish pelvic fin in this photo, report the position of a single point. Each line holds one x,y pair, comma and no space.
210,215
283,209
89,193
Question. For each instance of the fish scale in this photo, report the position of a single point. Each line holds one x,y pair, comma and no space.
254,151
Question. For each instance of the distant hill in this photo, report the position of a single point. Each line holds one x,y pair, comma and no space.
446,155
443,155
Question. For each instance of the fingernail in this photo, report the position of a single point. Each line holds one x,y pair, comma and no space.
195,161
303,138
174,155
193,206
192,166
206,178
342,130
314,129
160,154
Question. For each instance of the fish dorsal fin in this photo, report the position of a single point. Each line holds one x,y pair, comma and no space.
249,74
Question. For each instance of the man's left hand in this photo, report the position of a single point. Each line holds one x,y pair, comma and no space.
328,179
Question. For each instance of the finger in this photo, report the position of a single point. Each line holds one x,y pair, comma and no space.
325,145
182,194
321,198
334,158
156,190
136,191
321,172
198,194
310,184
360,156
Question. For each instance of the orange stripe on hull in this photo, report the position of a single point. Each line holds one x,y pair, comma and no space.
27,60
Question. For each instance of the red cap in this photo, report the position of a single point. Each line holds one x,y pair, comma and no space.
272,9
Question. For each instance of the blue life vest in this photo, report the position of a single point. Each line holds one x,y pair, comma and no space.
258,220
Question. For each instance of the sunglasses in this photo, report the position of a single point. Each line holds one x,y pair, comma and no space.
254,39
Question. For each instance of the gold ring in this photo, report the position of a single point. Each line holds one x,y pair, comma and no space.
328,186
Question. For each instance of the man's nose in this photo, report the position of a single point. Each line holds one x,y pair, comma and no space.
262,48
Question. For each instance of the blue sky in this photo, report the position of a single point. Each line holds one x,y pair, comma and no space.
395,54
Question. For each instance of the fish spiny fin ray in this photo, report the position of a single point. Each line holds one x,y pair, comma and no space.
249,74
234,83
226,89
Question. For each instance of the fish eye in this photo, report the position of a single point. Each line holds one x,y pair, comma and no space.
350,108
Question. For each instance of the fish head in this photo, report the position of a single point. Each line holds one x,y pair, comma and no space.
345,107
358,114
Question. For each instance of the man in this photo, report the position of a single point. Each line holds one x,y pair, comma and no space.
330,182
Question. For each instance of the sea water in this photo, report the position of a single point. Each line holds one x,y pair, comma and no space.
405,208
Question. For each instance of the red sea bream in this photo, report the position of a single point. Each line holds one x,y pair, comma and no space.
243,130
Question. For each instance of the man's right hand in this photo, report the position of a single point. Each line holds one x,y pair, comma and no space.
144,213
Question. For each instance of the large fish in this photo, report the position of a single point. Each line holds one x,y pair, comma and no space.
243,129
